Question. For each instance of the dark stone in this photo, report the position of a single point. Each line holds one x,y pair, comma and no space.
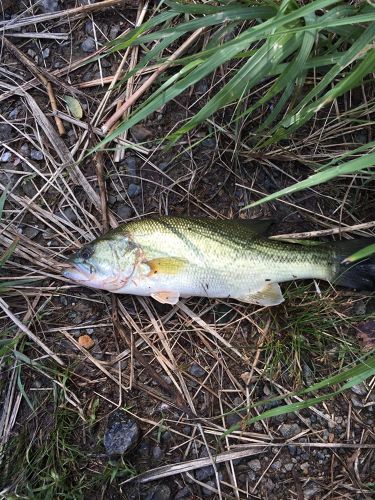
196,370
124,212
37,155
49,5
88,45
158,492
121,435
290,430
133,190
131,166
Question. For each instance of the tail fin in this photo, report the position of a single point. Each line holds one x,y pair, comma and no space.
359,275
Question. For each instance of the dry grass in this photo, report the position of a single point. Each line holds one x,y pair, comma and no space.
56,396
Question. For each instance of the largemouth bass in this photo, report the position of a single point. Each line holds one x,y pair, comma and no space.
172,257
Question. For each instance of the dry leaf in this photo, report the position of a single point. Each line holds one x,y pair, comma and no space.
86,341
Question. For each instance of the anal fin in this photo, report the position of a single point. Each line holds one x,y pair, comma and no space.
166,297
269,295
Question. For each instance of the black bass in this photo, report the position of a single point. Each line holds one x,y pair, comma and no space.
172,257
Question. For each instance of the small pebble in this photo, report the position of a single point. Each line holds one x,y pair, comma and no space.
69,214
277,464
158,492
163,165
140,133
124,212
359,389
37,155
157,454
45,53
290,430
133,190
206,492
30,232
255,465
49,5
89,29
121,435
131,166
88,45
196,370
6,156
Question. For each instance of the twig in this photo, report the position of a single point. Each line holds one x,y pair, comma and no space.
99,165
326,232
69,14
147,84
42,75
171,470
24,329
52,99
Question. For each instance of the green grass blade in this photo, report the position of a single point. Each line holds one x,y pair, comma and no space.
347,168
363,370
361,254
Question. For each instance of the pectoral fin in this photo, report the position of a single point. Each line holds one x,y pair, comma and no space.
166,297
269,295
166,265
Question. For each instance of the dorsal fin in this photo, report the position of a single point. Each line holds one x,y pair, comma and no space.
254,226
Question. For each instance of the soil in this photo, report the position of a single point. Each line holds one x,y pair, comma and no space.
183,389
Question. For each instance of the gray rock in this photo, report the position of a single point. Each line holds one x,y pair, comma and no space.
89,28
288,467
206,492
37,155
290,430
276,465
30,232
209,143
121,435
114,31
233,419
310,490
196,370
204,473
163,165
131,166
356,401
255,465
158,492
25,150
6,131
201,87
14,113
133,190
69,214
359,389
124,212
6,156
49,5
46,53
88,45
157,454
185,492
140,133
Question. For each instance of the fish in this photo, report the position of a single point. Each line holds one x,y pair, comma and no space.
169,258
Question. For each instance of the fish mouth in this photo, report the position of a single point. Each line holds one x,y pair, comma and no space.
79,272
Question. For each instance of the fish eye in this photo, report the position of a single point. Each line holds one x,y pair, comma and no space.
86,252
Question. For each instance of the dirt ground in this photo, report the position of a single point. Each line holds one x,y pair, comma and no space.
176,377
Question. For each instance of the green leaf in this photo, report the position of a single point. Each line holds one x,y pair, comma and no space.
74,106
